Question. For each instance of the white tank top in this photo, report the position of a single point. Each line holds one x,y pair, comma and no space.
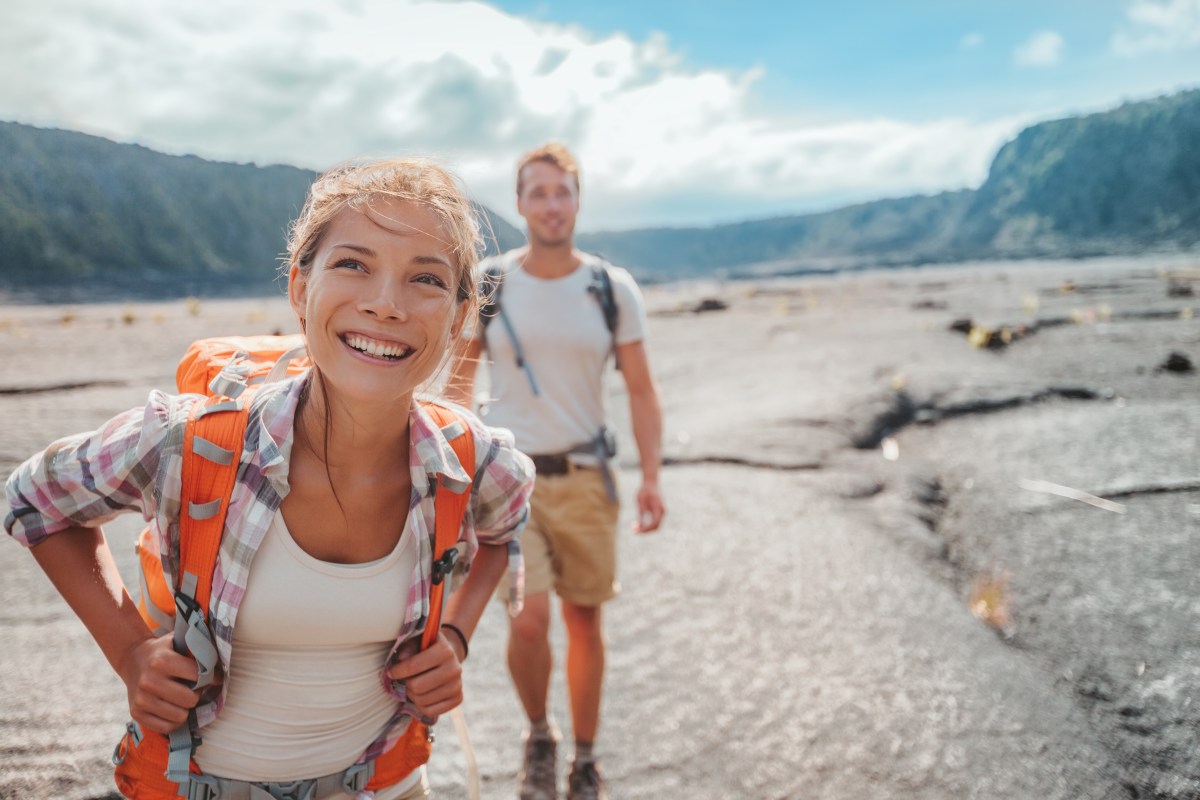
306,695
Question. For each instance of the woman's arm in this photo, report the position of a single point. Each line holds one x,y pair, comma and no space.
81,567
433,677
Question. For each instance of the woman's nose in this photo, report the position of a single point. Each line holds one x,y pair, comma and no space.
385,300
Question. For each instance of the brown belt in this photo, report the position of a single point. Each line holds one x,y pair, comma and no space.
557,464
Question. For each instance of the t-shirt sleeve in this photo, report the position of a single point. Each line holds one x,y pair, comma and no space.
631,317
89,478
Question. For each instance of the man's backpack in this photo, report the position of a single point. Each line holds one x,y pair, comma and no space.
492,284
150,766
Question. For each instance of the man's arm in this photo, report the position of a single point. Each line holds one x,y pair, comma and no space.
646,415
460,388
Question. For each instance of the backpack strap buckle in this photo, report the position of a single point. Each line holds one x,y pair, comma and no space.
356,778
202,787
443,566
292,790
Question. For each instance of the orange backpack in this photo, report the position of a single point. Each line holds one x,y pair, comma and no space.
151,766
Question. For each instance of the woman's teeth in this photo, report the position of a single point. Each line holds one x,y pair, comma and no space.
379,349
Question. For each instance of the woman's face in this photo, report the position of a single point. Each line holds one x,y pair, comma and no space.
378,306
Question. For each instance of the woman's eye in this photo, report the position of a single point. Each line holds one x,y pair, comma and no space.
348,263
431,279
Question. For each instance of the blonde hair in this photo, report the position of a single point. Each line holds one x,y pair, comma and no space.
413,180
551,153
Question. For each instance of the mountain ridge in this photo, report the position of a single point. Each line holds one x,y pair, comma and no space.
82,217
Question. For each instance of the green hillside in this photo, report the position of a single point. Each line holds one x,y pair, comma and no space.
84,217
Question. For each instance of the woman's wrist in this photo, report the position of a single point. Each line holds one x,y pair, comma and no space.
462,637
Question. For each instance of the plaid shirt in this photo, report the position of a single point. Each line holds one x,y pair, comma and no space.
133,464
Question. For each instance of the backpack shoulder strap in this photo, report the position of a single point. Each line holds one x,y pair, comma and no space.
602,281
449,509
212,449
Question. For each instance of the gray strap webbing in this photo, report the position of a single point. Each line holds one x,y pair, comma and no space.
199,511
520,354
599,449
212,451
453,431
216,408
349,781
280,368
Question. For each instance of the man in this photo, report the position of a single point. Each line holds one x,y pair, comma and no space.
548,345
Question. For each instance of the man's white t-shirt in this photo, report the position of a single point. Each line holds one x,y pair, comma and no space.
566,345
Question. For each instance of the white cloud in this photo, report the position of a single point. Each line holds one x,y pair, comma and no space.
1163,26
970,41
312,83
1042,49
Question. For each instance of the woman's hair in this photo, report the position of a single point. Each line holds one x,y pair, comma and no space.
551,153
412,180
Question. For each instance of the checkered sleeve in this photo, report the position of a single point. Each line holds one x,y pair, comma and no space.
89,478
503,484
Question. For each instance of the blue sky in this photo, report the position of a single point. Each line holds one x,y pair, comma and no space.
682,113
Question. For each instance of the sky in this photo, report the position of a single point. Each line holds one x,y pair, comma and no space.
682,113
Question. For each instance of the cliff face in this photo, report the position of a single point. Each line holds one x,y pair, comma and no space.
1120,181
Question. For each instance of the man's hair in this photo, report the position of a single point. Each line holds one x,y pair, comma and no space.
551,153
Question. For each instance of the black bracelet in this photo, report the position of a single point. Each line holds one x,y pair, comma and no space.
462,637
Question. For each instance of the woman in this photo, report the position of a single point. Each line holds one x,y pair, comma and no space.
325,565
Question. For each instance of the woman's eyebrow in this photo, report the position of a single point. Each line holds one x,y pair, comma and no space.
358,248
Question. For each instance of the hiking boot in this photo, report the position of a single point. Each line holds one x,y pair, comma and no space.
585,783
537,776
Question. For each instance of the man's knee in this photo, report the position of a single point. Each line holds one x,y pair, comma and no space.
582,622
532,625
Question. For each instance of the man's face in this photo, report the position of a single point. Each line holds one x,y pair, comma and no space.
549,202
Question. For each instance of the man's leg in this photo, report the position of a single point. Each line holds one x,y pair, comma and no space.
529,656
585,668
529,663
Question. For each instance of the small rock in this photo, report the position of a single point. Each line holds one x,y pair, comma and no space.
1176,362
709,304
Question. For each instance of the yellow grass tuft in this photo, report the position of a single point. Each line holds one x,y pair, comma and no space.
127,315
66,318
991,602
192,305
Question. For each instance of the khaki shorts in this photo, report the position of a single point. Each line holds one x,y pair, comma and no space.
570,543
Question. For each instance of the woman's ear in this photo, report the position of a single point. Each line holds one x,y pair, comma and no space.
298,292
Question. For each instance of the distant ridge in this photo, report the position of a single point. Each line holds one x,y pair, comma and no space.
1121,181
85,218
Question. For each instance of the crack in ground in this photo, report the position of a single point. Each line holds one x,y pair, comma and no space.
897,410
739,461
59,387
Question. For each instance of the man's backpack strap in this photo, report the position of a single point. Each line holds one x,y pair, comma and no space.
490,308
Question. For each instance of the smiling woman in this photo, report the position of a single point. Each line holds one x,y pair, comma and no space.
321,594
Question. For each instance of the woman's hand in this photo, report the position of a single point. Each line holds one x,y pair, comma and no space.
432,677
157,681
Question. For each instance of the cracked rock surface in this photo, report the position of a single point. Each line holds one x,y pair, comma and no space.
842,470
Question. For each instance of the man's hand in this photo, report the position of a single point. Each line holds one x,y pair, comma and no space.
432,677
650,509
157,682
